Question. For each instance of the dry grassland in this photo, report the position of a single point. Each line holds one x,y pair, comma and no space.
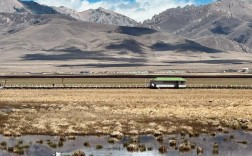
83,112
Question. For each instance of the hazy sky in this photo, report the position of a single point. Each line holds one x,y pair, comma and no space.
136,9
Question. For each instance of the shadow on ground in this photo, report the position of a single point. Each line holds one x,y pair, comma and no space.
112,65
181,47
135,31
74,53
213,62
128,44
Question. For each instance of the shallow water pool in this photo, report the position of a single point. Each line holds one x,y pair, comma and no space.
228,145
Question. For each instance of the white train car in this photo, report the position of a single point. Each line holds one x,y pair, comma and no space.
168,82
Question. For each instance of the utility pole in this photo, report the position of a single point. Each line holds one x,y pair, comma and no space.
62,81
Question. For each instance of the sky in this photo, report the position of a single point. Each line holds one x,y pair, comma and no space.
138,10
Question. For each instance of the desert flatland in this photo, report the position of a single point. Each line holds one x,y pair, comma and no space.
128,111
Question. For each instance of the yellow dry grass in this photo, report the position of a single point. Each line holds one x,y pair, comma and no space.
129,111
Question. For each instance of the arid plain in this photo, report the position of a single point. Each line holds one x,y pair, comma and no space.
129,111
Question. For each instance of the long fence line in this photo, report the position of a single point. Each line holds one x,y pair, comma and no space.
92,86
188,75
202,86
121,86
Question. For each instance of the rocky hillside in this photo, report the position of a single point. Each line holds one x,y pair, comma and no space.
24,7
61,31
104,16
11,6
100,15
60,43
38,9
224,25
66,11
39,38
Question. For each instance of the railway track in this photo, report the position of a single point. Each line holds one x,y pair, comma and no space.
133,86
131,76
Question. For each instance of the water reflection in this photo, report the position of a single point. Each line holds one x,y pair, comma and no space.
228,145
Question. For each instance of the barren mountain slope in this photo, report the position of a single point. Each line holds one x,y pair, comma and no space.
100,15
67,11
104,16
38,43
11,6
36,8
226,22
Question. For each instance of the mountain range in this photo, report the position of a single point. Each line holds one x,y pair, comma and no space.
224,25
99,15
40,38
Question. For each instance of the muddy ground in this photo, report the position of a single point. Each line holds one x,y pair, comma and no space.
129,111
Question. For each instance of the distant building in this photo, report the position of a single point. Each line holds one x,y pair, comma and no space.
229,71
62,154
85,72
168,82
245,70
